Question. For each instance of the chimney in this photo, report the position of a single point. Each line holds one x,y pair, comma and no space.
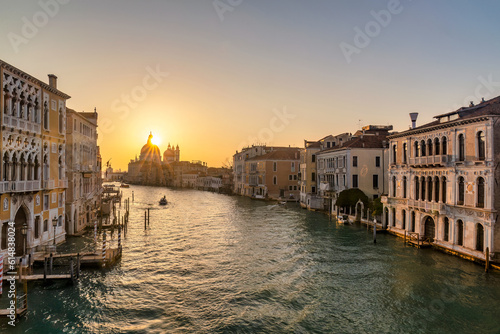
53,81
471,104
413,117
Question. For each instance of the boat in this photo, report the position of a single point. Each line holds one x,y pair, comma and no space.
163,201
124,185
343,219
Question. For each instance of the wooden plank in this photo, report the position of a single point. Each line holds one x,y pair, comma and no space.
5,312
37,277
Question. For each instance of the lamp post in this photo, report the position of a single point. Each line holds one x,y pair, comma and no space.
24,232
54,224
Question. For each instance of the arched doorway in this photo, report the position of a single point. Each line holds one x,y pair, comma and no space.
480,238
429,228
386,218
20,220
359,210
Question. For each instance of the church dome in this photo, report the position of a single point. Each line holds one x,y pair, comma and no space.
150,151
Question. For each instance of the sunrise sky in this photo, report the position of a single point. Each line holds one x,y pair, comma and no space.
213,76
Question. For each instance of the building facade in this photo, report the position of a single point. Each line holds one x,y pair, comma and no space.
443,181
83,170
33,178
308,176
273,175
360,163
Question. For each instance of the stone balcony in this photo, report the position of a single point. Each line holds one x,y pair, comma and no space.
19,186
429,161
49,184
20,124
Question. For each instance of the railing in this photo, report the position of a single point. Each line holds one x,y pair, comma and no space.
48,184
20,124
428,206
20,186
63,183
4,186
429,160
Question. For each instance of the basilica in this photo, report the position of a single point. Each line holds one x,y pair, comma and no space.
149,168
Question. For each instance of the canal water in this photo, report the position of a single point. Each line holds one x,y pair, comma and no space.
212,263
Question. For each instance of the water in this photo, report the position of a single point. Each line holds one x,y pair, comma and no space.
217,264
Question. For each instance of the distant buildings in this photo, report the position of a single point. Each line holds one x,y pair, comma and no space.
83,170
443,181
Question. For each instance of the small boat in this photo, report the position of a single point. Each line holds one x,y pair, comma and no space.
343,219
163,201
124,185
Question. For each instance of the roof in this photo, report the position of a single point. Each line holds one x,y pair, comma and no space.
364,141
282,154
485,108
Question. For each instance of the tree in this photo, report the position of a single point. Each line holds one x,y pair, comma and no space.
377,207
349,198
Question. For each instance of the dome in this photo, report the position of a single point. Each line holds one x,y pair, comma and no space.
150,152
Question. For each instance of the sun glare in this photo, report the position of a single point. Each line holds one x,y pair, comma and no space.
156,140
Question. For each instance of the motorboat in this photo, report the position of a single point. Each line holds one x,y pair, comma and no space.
163,201
124,185
343,219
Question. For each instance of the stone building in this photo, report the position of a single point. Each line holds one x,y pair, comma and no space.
443,181
83,170
308,184
33,179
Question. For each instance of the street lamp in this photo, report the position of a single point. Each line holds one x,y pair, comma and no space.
54,224
24,232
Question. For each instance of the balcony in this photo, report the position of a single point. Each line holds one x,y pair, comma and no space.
63,183
48,184
20,124
428,161
428,206
20,186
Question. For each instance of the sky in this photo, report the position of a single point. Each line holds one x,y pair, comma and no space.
213,76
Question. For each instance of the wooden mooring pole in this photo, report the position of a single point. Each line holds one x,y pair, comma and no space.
374,232
487,264
145,219
51,263
148,216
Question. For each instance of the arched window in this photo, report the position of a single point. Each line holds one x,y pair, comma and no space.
37,227
443,189
423,188
393,217
460,233
60,168
480,192
461,191
436,189
394,153
480,237
429,189
417,190
416,148
436,146
61,121
461,147
386,216
404,186
444,145
5,174
429,147
13,175
481,153
403,219
36,175
405,153
22,168
412,223
446,235
422,148
45,116
393,186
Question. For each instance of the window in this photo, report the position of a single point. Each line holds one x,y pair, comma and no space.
416,148
404,186
417,190
444,145
412,223
313,158
461,147
394,186
290,177
290,187
460,233
354,180
293,167
422,148
436,189
443,189
275,180
328,144
46,202
403,219
313,177
275,166
375,181
405,152
45,116
436,146
423,188
37,227
429,189
377,161
446,229
480,146
461,191
45,225
429,147
393,217
394,153
479,237
4,235
294,187
61,121
313,189
295,177
480,192
354,161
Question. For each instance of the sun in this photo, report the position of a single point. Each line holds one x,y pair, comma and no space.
156,140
